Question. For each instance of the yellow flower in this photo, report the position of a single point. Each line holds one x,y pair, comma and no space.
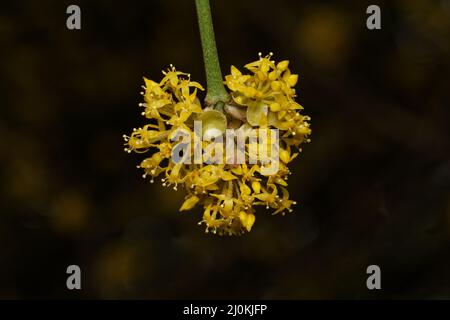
189,203
229,193
268,93
247,220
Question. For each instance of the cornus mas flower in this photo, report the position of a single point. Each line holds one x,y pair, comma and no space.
229,192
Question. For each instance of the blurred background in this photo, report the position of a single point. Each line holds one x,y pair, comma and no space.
373,186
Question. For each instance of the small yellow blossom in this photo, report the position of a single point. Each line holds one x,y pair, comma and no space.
189,203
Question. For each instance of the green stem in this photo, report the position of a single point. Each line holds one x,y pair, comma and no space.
215,89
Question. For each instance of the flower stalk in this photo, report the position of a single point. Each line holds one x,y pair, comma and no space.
216,92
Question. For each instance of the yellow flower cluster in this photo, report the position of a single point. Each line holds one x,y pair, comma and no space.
268,94
228,193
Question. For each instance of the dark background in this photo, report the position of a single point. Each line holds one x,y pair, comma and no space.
373,186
